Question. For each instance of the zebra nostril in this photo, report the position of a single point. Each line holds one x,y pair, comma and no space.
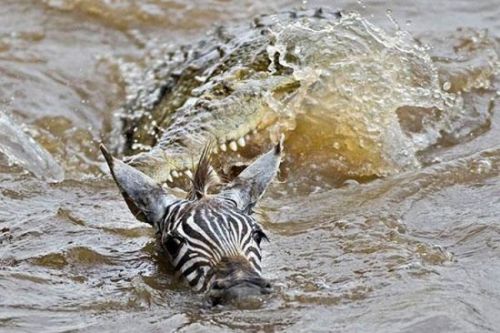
267,289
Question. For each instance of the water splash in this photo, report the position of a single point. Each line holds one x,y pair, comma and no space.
22,149
368,101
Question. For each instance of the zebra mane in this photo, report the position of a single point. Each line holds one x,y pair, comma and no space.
204,176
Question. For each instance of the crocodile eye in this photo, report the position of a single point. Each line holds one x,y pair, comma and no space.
258,235
172,243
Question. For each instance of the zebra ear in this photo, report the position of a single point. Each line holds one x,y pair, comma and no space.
145,198
246,189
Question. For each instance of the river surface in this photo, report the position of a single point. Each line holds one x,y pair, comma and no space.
415,251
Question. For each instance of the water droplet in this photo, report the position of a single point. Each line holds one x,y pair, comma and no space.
446,86
481,166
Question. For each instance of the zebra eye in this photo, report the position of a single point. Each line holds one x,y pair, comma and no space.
173,243
258,235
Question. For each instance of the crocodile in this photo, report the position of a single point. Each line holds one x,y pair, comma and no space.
325,78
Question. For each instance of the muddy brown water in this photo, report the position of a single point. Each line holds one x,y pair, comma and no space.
418,251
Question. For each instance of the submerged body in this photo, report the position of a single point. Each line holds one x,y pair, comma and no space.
212,241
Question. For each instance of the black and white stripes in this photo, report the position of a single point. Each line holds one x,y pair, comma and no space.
198,234
213,241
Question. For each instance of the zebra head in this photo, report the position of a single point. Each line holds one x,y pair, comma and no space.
212,240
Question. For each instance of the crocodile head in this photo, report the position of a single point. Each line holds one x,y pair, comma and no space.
228,89
242,125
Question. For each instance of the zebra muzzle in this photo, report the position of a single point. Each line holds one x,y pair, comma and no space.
242,292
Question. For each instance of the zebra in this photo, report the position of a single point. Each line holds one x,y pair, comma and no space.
212,241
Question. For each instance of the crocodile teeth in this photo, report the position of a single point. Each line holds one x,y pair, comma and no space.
241,142
175,174
233,146
170,179
223,147
189,173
